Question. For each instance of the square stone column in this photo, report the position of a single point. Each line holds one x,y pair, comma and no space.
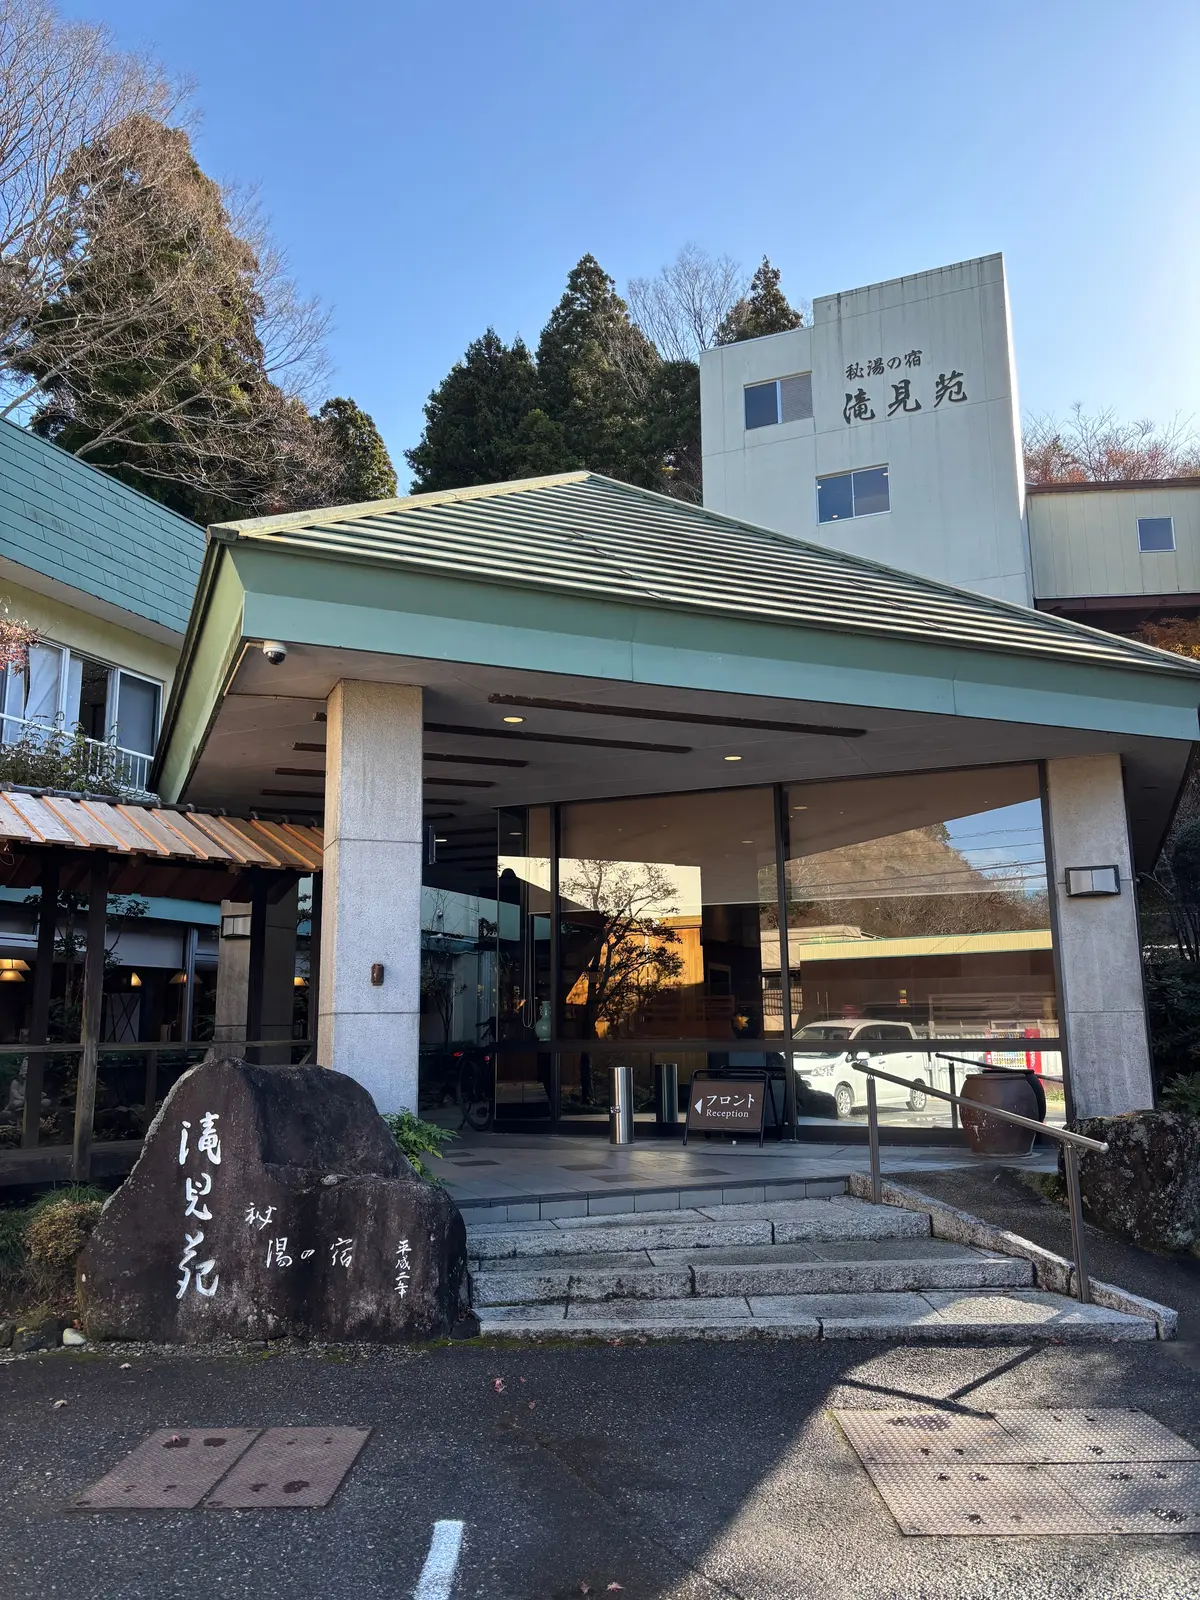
371,907
1099,945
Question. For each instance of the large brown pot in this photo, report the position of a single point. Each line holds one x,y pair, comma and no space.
1010,1090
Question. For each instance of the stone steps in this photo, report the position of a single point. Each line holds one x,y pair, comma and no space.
799,1269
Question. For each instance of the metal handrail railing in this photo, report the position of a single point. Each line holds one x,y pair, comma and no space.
1072,1143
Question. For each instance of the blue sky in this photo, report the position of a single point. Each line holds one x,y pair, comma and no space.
431,169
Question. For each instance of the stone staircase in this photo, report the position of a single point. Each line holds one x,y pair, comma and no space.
836,1268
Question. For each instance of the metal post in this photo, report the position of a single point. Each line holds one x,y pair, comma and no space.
782,846
39,1023
555,970
873,1137
620,1111
190,940
93,1009
1083,1290
666,1093
314,959
953,1090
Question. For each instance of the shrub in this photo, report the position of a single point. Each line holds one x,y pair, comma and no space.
58,1227
417,1139
51,758
13,1220
1183,1094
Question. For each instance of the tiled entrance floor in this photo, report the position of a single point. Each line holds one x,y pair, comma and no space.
518,1178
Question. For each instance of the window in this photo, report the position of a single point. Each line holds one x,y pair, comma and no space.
781,400
137,713
853,494
1155,533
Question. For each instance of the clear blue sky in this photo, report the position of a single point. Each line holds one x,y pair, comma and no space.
433,168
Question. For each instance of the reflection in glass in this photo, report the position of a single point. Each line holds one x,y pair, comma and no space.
917,908
664,904
524,1015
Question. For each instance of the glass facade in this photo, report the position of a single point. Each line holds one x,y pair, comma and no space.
558,942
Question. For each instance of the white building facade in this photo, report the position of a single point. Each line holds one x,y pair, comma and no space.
888,428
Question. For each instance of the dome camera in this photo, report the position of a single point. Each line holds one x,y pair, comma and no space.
275,652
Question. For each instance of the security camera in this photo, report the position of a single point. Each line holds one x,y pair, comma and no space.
275,652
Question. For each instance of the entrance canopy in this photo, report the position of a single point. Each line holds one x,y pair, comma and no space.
579,638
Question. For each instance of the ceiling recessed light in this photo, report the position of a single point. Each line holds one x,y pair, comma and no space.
438,839
747,841
514,719
733,758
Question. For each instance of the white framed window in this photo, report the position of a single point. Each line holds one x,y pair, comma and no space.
778,400
863,493
1155,534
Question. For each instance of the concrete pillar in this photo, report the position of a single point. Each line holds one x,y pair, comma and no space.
1099,948
279,974
371,904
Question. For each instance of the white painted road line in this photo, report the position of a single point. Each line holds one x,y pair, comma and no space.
441,1564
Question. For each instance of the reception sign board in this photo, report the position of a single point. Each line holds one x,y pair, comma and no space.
726,1105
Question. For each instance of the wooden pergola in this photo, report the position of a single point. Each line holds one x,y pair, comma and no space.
82,844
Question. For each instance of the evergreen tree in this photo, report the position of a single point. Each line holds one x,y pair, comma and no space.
171,404
356,453
762,310
592,366
483,423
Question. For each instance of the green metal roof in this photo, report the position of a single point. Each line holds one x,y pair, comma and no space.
587,535
73,523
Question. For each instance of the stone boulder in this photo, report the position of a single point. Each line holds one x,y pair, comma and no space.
1147,1187
271,1201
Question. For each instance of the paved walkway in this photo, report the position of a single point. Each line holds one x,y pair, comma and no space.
521,1177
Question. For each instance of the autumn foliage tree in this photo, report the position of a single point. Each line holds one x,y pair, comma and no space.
1098,447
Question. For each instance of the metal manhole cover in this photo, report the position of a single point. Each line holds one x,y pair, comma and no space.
923,1436
1137,1496
291,1467
1102,1434
979,1498
172,1470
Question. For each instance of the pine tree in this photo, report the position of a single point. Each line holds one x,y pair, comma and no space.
764,309
483,423
356,453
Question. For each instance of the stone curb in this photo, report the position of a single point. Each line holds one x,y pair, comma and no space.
1051,1272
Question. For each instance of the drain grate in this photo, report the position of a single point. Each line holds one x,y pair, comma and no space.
291,1467
1028,1472
172,1470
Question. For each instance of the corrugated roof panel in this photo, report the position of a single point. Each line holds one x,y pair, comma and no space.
587,535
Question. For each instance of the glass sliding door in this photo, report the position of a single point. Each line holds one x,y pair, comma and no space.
665,907
525,1012
917,910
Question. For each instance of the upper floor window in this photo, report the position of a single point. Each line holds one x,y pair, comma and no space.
853,494
780,400
1155,533
56,687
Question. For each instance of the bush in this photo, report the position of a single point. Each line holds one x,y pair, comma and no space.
1183,1094
12,1245
51,758
57,1228
417,1139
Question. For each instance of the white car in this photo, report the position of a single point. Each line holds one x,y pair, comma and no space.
831,1069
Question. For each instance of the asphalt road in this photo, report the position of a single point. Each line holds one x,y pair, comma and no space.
685,1471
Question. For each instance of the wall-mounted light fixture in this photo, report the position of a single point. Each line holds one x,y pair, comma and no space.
1090,882
236,926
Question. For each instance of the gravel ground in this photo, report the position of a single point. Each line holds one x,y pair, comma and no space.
685,1471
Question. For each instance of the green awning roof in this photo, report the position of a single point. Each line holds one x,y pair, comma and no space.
586,535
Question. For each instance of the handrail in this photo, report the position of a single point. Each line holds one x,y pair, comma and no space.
1063,1135
1071,1143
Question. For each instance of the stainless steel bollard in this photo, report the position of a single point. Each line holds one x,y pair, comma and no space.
666,1093
620,1110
